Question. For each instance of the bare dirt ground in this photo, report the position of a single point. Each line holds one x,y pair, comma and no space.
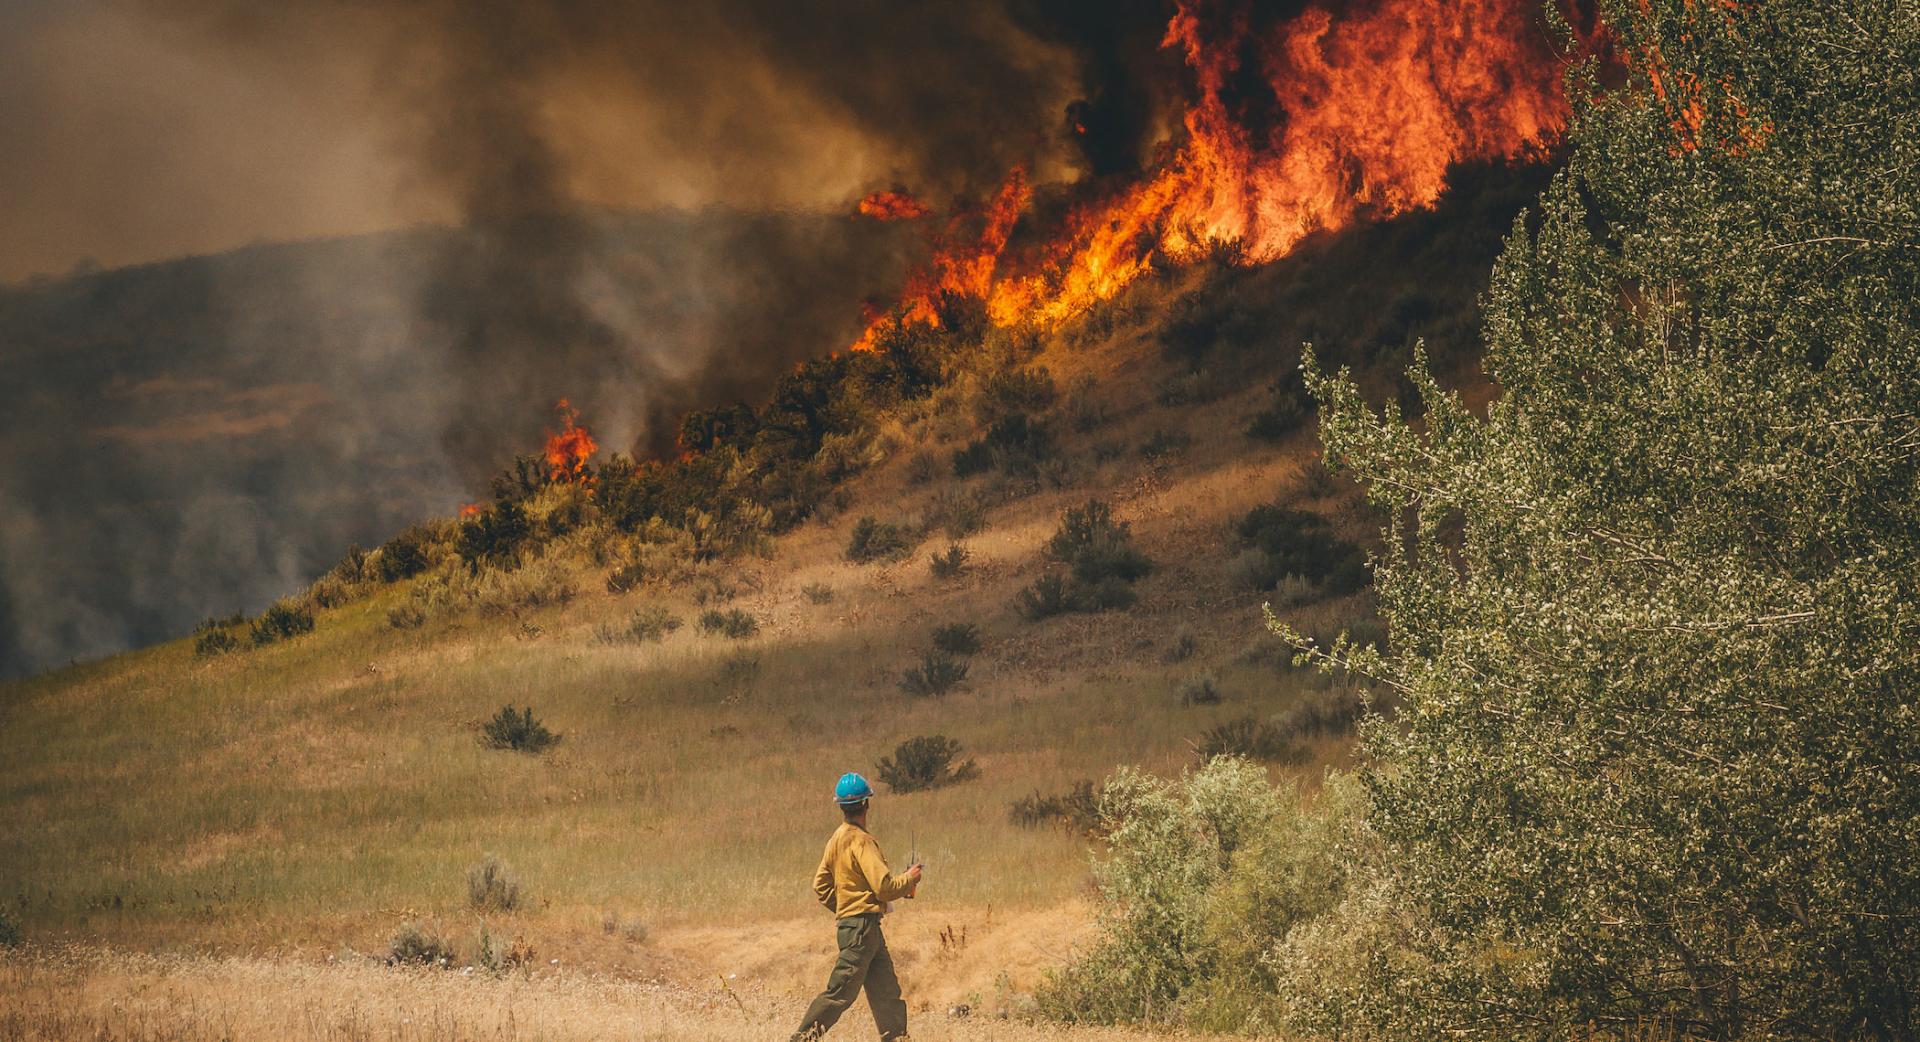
102,995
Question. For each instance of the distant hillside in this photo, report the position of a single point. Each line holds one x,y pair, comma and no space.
196,437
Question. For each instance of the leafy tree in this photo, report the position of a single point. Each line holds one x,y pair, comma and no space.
1653,617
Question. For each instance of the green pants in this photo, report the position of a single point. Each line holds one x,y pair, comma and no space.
864,961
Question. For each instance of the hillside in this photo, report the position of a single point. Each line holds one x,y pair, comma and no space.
312,794
200,436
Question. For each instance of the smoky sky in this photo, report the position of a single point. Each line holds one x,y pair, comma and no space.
485,206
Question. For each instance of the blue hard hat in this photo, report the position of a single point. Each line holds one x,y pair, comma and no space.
852,789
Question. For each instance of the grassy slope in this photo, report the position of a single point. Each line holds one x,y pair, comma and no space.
313,794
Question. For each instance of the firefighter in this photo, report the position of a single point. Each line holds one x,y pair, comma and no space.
853,882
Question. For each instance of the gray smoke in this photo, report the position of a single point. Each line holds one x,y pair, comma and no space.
643,208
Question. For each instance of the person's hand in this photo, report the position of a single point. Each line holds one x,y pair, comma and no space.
913,874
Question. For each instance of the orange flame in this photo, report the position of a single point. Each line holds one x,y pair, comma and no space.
1363,113
893,206
469,510
569,449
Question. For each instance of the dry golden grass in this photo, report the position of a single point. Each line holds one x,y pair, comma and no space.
82,994
315,793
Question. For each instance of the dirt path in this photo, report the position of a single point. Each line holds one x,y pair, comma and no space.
98,995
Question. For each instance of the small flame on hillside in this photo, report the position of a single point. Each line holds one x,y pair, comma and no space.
1309,125
570,448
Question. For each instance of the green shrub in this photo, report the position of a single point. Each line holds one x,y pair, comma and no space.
627,577
495,536
418,944
817,593
922,468
1164,444
497,956
408,616
1289,408
1280,542
1169,844
10,936
1077,810
937,674
926,762
1249,738
492,887
543,583
1103,561
957,638
328,592
1015,445
215,637
1185,643
1333,711
404,556
647,625
958,514
732,623
1011,392
1201,690
284,620
519,732
1049,595
876,540
1096,546
950,563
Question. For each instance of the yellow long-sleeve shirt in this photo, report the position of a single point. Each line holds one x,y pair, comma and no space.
853,878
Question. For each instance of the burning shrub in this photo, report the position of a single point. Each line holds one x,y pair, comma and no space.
419,944
937,674
404,556
519,732
732,623
491,886
876,540
926,762
284,620
957,638
1281,542
645,626
1077,810
1015,445
949,564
